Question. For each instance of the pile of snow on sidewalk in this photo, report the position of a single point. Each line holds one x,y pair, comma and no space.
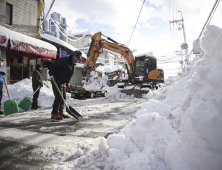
199,145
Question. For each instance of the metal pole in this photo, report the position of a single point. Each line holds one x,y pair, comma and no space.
184,35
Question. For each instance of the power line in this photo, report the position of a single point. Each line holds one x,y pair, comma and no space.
169,9
136,23
58,26
207,21
197,16
220,9
209,17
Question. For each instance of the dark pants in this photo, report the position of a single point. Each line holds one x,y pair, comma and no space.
58,104
35,96
1,87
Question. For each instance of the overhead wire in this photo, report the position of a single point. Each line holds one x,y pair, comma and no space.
216,4
58,26
176,19
136,23
220,9
170,25
197,17
209,17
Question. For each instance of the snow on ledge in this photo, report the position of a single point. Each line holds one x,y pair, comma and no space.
15,36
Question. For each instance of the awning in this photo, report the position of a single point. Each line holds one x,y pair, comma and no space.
24,43
61,43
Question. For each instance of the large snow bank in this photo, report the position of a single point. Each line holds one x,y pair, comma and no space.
199,145
139,145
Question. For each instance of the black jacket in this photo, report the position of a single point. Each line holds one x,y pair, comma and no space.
62,69
37,78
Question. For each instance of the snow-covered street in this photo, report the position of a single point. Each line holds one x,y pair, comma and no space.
177,127
32,137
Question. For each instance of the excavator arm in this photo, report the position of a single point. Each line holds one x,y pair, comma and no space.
96,48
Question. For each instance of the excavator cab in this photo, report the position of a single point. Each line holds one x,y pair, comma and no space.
146,72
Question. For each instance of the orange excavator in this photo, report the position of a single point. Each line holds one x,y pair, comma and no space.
142,70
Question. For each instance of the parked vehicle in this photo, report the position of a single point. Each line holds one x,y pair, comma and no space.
77,86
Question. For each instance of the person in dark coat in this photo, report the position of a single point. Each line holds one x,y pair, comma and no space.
62,71
36,82
1,84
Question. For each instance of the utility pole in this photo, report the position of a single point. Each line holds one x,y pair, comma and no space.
184,45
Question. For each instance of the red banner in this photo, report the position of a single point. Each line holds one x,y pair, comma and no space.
41,52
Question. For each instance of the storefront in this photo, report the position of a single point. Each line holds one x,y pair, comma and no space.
64,49
22,53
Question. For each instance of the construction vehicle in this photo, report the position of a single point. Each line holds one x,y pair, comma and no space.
142,70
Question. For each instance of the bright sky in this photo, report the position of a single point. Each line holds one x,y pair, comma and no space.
117,18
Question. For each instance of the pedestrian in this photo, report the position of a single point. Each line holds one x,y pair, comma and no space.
1,84
61,71
36,82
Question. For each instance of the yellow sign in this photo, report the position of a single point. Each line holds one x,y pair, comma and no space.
12,59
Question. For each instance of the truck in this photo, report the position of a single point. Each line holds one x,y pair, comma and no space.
77,88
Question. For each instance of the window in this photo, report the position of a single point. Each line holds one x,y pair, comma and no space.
139,70
8,19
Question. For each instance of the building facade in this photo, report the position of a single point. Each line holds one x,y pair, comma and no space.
57,26
82,41
21,16
20,46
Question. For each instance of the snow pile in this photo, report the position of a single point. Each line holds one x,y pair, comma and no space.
139,145
109,69
95,83
23,88
199,145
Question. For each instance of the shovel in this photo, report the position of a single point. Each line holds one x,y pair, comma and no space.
27,101
69,109
11,105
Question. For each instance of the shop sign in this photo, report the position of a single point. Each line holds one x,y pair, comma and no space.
12,60
64,53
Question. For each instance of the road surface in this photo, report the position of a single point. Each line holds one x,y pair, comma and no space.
31,140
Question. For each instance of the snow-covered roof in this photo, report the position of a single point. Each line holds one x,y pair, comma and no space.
63,43
82,33
148,54
109,69
15,36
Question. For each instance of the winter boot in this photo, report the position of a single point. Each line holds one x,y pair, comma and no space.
56,116
1,110
34,105
63,115
37,104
